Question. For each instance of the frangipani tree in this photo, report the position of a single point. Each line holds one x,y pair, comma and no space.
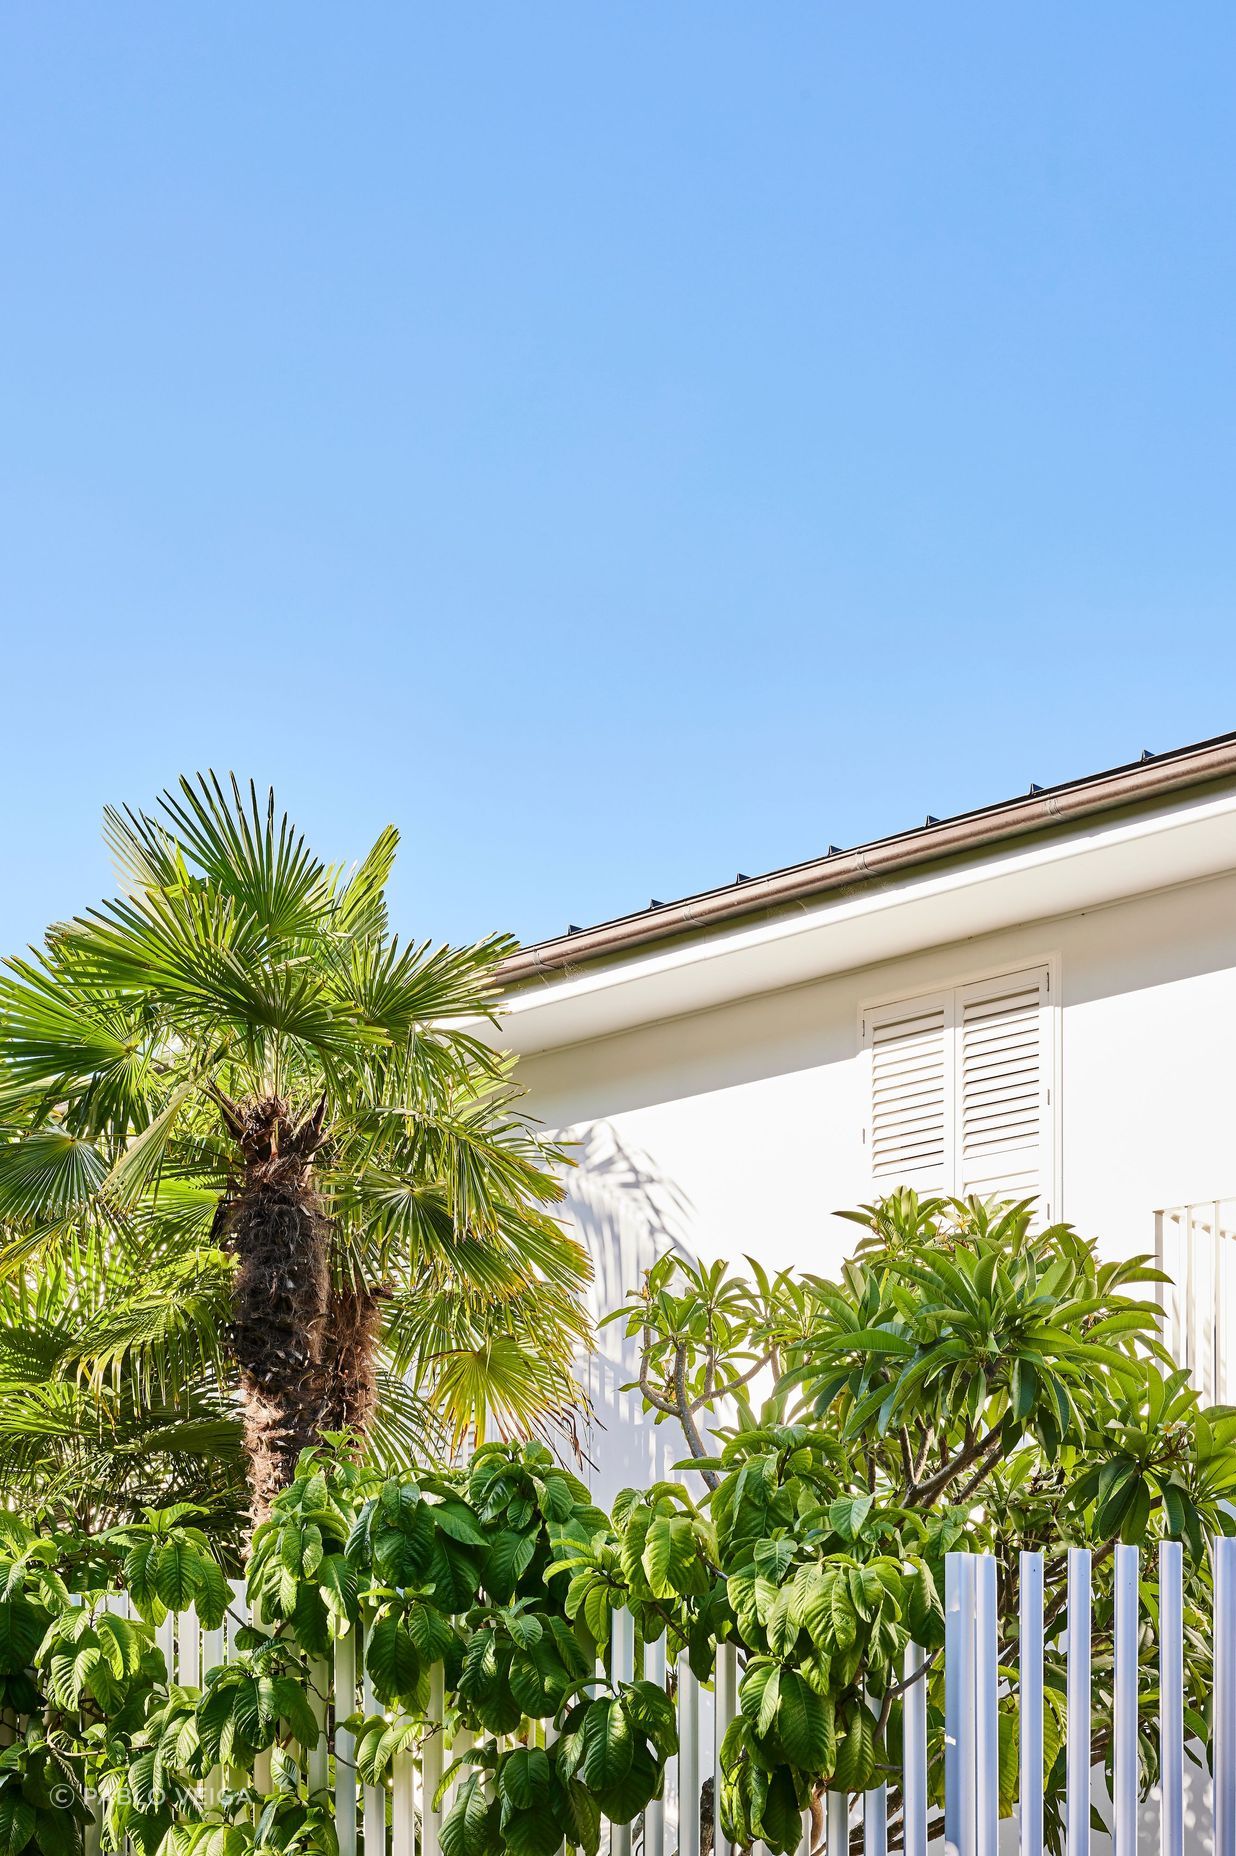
237,1061
969,1382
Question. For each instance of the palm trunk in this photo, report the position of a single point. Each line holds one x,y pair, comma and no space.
349,1378
306,1346
275,1226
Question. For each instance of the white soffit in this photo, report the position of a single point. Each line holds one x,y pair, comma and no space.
1097,864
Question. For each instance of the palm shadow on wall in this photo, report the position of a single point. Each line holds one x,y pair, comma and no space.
628,1214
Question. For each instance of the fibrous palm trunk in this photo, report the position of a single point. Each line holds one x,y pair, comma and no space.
349,1380
305,1342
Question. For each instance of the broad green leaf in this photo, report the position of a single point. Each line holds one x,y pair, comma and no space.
608,1745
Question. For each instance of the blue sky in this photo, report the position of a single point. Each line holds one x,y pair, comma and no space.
623,444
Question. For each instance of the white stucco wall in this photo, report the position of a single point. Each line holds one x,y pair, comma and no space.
738,1129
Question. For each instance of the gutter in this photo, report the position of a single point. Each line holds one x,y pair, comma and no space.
1142,781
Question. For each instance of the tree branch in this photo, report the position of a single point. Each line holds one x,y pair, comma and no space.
986,1464
967,1456
686,1417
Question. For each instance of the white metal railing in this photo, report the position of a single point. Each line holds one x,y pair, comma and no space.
1196,1246
402,1820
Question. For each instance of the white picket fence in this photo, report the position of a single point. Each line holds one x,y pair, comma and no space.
404,1821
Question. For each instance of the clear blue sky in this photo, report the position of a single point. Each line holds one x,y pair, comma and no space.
622,443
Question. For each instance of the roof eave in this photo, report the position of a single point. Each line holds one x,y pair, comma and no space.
1140,783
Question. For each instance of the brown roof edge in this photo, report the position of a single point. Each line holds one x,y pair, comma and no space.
1013,818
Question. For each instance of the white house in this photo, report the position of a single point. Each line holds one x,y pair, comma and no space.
1037,997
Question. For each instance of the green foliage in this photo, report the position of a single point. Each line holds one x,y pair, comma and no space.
168,1567
41,1806
969,1383
113,1385
450,1569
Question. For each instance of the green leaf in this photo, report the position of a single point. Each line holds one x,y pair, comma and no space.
651,1710
176,1575
392,1659
770,1701
17,1823
805,1724
608,1745
340,1586
659,1556
292,1704
780,1824
845,1623
21,1630
470,1826
429,1631
855,1764
775,1557
524,1776
508,1559
924,1611
530,1833
848,1513
582,1818
622,1801
457,1520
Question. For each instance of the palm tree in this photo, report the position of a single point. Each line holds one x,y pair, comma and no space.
238,1054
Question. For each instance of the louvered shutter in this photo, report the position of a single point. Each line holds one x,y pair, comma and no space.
1004,1075
910,1121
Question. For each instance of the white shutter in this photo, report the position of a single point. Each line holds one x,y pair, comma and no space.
959,1095
910,1123
1004,1078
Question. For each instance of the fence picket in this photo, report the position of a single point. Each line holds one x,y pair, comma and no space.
986,1711
433,1765
373,1815
1077,1704
726,1706
1171,1699
345,1744
317,1756
1124,1723
165,1637
622,1667
960,1817
654,1816
189,1648
1030,1704
1225,1697
237,1614
688,1760
403,1804
212,1655
914,1754
460,1746
837,1824
875,1802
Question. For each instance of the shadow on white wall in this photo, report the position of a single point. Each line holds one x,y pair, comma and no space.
628,1215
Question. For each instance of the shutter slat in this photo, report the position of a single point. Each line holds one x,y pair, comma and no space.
1024,1042
897,1082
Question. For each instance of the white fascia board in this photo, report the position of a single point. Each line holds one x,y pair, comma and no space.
1100,862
